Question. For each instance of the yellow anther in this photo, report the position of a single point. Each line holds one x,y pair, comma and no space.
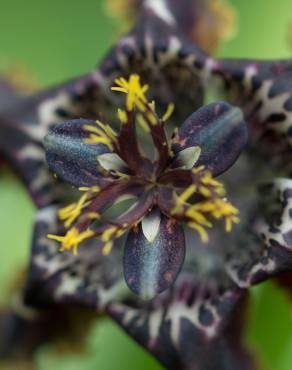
70,213
152,106
94,130
107,248
183,197
205,191
168,113
187,193
134,90
108,130
94,189
72,239
122,115
95,139
108,234
93,216
152,118
103,134
200,230
198,217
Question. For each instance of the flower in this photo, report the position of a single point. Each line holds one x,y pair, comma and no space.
176,187
196,322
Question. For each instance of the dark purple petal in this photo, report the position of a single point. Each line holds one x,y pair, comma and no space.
69,157
152,267
219,130
25,120
187,331
89,279
273,234
263,91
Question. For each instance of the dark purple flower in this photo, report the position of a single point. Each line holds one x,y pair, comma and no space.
177,186
195,324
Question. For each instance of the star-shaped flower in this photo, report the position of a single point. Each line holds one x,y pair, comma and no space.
195,323
176,186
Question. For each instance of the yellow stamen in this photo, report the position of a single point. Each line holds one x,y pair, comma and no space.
187,193
152,118
108,233
107,248
93,216
94,139
122,115
200,230
72,239
183,197
168,113
108,130
94,189
198,217
134,90
70,213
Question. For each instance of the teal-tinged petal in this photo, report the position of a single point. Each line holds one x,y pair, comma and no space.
219,130
152,267
70,157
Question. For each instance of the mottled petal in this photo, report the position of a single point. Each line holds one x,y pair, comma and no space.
152,267
185,330
70,157
25,120
219,130
263,89
274,235
89,279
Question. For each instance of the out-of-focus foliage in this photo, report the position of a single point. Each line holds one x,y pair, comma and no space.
58,40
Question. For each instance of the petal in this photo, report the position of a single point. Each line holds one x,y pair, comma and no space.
219,130
69,157
25,120
89,279
274,240
186,329
152,267
263,90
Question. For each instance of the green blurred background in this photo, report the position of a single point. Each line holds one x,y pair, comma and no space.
57,40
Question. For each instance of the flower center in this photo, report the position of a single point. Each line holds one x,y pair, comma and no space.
174,184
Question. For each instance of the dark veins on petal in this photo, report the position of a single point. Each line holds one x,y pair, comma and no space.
151,267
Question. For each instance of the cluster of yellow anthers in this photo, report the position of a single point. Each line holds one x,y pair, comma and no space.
136,99
134,90
101,134
213,205
71,240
